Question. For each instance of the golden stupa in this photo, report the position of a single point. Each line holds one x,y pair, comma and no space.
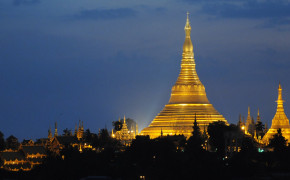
280,120
188,98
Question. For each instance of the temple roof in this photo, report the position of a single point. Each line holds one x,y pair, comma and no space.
67,140
16,167
33,149
8,156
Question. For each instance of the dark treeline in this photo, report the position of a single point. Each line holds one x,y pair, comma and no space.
202,156
9,143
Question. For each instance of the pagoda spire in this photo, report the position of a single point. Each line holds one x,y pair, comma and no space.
55,129
240,120
76,130
125,124
188,87
280,101
188,97
258,117
187,27
280,120
49,133
249,123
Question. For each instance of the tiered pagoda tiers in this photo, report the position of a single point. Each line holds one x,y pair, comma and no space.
188,97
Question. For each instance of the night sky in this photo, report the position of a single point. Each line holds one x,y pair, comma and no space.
96,60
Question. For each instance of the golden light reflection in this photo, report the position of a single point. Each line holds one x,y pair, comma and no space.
188,100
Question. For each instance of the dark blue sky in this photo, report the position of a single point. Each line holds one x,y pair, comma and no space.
98,60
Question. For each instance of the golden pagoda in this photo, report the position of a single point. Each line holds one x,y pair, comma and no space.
280,120
188,97
124,135
250,124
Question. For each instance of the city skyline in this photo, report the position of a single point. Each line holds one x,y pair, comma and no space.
98,61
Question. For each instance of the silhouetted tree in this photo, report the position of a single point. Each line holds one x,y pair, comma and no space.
12,142
195,142
88,136
67,132
248,145
216,136
91,138
117,125
104,137
233,137
260,127
2,141
278,142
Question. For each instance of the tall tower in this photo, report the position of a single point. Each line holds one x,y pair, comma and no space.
49,134
188,97
280,120
250,127
258,117
55,129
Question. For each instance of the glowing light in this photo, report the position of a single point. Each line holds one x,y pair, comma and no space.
188,100
280,120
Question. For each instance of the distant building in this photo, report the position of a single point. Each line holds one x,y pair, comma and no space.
14,161
23,159
79,131
250,124
125,136
27,142
188,97
63,142
280,120
59,142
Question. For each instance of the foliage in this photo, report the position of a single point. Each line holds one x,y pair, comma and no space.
131,124
67,132
278,142
117,125
260,127
195,142
216,133
91,138
163,158
2,141
248,145
12,142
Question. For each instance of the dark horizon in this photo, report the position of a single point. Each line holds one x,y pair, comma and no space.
98,61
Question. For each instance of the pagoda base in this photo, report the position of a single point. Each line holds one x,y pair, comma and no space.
179,118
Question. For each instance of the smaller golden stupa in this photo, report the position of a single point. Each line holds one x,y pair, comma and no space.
280,120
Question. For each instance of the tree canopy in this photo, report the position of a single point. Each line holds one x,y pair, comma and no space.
278,142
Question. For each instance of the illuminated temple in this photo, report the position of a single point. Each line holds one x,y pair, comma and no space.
188,97
280,120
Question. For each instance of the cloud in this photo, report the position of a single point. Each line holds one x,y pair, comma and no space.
275,12
25,2
99,14
249,9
